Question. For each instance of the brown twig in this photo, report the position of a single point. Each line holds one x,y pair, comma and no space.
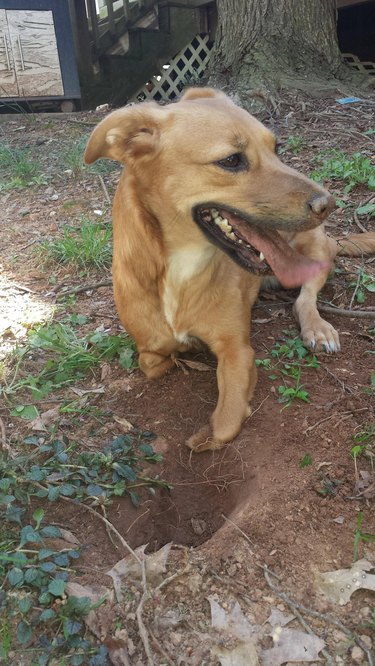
346,313
104,187
87,287
332,416
142,563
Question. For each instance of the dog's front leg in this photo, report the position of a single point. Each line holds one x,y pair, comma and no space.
236,376
316,332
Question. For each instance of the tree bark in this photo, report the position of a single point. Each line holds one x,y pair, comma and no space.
264,45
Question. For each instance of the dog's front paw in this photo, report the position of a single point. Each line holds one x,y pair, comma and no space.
321,336
203,440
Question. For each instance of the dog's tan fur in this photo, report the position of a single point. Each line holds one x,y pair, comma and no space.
171,285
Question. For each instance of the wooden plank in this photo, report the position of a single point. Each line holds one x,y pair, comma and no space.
34,47
8,81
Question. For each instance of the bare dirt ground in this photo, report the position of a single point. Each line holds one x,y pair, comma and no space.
249,524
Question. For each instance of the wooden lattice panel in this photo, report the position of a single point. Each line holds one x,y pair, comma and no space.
361,66
185,69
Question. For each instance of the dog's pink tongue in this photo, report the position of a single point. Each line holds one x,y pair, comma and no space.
290,267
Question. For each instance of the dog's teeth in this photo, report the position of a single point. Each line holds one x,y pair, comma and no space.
231,235
239,241
261,257
214,213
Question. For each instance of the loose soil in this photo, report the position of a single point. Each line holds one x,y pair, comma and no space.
251,505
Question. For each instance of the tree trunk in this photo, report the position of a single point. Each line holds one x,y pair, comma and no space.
264,45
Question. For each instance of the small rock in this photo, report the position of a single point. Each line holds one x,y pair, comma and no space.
54,197
24,211
357,655
366,640
339,636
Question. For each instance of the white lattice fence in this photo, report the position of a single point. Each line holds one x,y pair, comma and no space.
185,69
361,66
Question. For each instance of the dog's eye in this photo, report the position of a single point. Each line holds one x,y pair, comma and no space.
235,162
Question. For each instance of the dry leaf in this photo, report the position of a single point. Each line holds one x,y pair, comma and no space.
194,365
125,425
244,654
128,567
292,645
365,485
278,618
105,371
43,420
233,622
68,536
338,586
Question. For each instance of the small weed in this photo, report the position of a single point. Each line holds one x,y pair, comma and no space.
367,209
294,144
34,569
354,170
365,537
364,445
88,246
288,358
305,461
18,169
362,284
64,358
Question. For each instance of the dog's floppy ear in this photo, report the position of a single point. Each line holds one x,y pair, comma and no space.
197,93
126,133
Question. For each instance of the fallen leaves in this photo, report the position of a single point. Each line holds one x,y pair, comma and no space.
129,567
338,586
288,644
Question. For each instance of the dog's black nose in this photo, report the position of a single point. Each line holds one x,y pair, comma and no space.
321,204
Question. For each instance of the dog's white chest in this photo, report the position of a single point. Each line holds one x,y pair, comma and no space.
183,265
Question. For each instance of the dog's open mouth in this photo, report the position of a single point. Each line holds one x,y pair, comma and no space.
260,251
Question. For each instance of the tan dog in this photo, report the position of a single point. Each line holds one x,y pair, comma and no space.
203,197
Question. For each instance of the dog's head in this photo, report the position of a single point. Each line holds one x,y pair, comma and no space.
206,161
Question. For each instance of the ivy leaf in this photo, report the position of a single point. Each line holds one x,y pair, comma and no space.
15,577
24,632
53,493
125,471
56,587
47,614
31,575
71,627
24,605
4,484
62,560
29,535
27,412
48,567
94,490
14,514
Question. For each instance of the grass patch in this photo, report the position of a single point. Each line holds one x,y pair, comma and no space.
38,616
287,360
64,358
89,246
353,170
18,168
294,144
72,159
